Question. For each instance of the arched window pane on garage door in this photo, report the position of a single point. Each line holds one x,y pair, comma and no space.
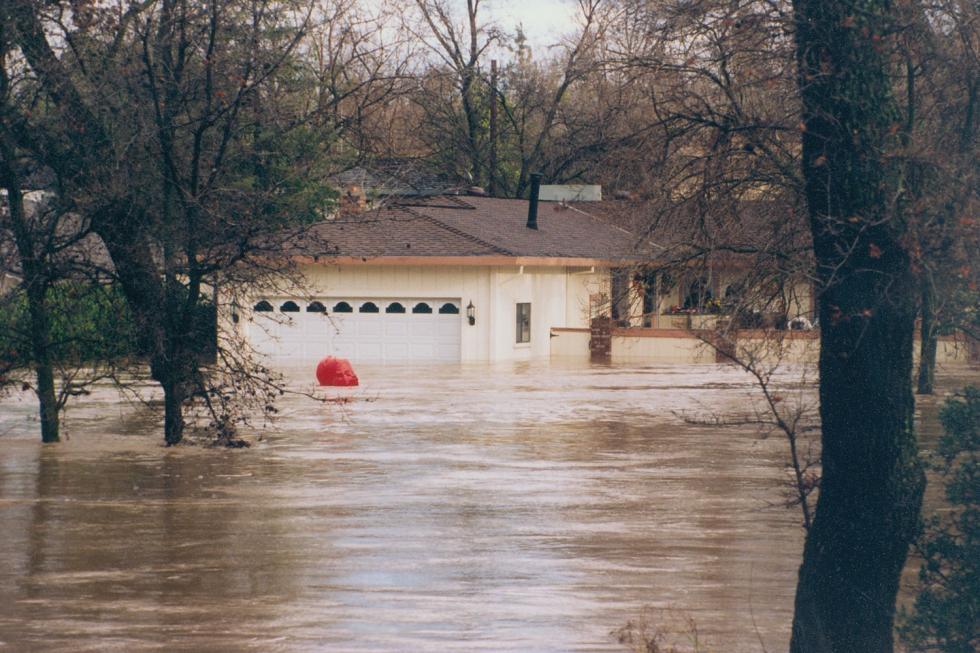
289,307
343,307
316,307
262,307
449,309
394,307
369,307
422,307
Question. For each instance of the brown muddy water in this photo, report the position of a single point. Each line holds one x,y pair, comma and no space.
474,508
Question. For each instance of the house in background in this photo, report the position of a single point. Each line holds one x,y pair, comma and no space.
441,278
701,266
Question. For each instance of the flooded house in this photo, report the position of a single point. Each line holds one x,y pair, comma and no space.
401,273
442,277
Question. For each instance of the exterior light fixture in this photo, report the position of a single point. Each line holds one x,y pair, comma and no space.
471,313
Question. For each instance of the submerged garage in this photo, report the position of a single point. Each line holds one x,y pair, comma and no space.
372,330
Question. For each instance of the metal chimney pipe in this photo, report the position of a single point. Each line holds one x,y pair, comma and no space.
532,207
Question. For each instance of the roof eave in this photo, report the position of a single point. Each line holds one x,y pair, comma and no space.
494,260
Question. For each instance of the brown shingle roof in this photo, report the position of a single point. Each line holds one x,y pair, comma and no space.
474,226
394,231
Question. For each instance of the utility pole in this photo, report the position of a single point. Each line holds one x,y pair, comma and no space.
493,129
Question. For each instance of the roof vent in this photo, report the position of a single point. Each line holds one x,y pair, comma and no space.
532,206
571,193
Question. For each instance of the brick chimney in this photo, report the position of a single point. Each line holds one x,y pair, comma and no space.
353,200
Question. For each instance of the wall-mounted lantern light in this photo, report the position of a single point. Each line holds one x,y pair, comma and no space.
471,313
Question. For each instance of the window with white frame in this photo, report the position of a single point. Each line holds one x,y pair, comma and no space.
523,322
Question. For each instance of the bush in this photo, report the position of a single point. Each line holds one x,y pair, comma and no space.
89,324
946,613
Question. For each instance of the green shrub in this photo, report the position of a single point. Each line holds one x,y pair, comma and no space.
89,323
946,613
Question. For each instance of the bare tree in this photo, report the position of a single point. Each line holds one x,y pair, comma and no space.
534,98
459,44
360,64
938,82
43,245
726,117
16,216
171,153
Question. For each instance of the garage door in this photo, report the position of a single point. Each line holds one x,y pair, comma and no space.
363,330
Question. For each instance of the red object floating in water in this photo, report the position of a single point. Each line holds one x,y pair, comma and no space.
335,371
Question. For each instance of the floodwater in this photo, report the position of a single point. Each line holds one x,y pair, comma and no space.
474,508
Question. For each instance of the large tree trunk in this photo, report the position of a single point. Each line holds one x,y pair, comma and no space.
171,366
872,482
871,486
929,338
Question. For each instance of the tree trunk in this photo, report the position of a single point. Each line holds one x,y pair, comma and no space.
872,482
44,370
173,412
35,284
153,310
929,338
871,486
48,402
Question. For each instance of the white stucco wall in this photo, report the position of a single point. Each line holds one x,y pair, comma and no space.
559,297
626,349
572,345
583,284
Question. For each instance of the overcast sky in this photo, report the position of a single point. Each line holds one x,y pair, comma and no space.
544,20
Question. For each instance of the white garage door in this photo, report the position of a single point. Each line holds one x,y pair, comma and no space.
362,330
